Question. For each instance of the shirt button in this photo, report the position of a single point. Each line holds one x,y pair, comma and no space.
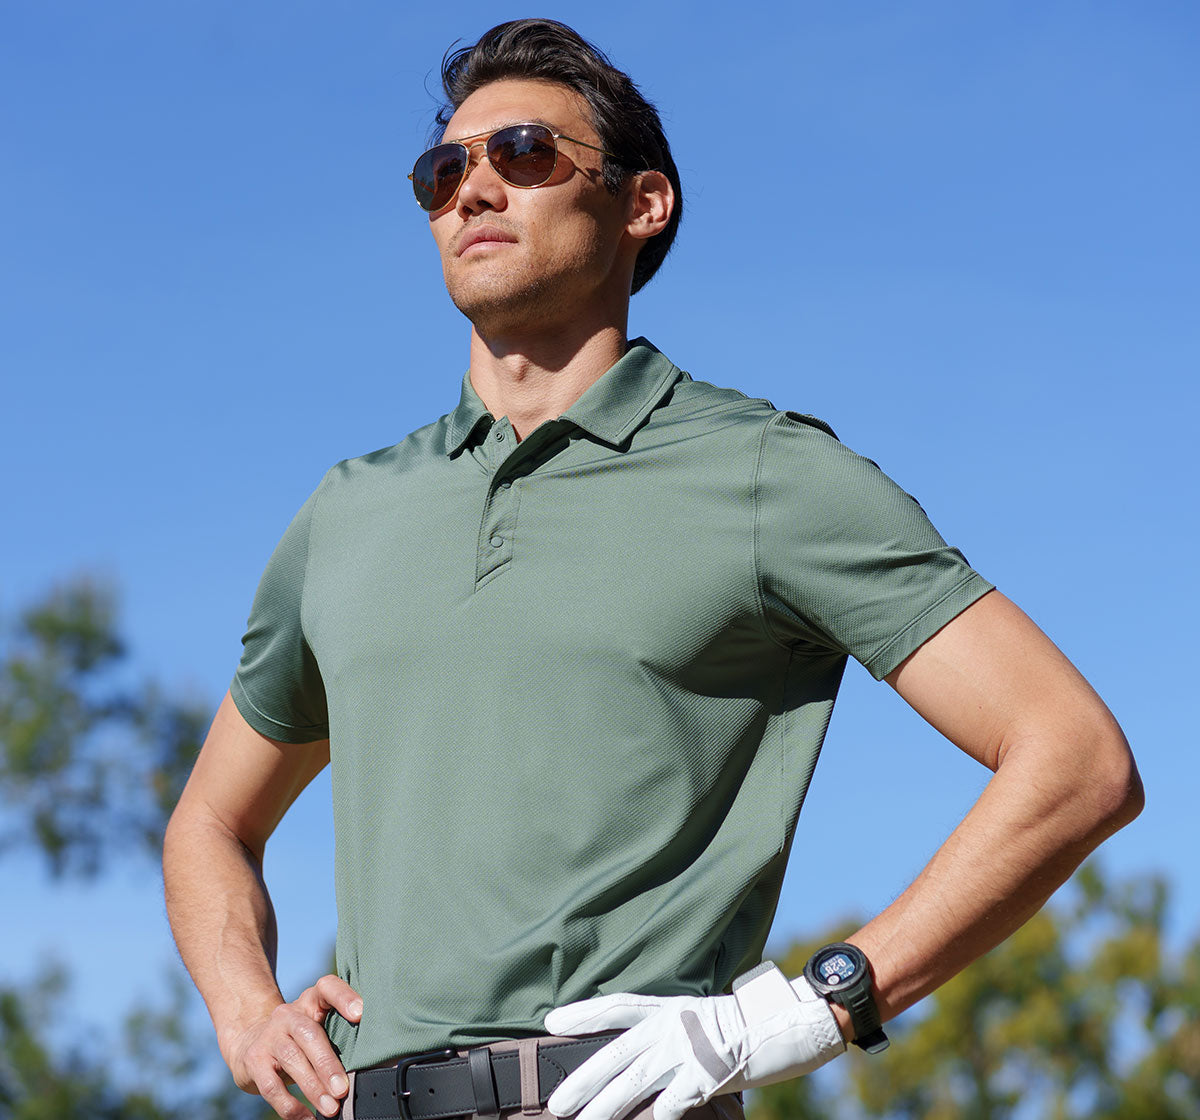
499,435
506,485
497,542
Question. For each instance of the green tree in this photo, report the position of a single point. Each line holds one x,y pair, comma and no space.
90,762
168,1077
1083,1012
38,1084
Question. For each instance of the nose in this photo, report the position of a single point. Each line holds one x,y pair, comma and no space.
482,189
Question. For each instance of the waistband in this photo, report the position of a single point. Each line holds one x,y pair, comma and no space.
484,1080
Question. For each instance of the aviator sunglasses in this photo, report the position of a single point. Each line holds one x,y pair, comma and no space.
524,155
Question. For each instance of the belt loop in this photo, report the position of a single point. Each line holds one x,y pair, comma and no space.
347,1112
531,1090
480,1061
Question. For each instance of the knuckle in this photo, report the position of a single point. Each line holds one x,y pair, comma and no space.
307,1033
277,1097
327,1065
283,1102
289,1108
287,1053
260,1067
246,1082
327,989
282,1015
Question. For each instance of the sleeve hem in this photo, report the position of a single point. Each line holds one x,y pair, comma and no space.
272,728
926,624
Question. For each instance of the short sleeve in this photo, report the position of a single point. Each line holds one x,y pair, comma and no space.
846,559
278,687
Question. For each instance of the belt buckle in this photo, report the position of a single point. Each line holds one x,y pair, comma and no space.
402,1094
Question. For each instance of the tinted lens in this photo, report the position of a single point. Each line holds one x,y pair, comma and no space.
523,155
437,175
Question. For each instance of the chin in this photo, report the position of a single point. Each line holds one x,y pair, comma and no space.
501,306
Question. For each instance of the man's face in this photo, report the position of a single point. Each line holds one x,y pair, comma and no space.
528,258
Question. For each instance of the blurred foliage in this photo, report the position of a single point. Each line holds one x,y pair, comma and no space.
166,1074
1084,1012
38,1084
90,761
91,764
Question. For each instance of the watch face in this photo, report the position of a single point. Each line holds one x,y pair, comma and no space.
836,969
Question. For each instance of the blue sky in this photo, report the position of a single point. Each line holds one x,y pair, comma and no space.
965,235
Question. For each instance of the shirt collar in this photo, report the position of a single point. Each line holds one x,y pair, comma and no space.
463,421
611,409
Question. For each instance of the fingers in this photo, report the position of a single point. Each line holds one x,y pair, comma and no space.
291,1045
601,1069
686,1091
604,1013
621,1011
624,1093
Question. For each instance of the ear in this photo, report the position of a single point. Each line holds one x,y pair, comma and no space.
650,203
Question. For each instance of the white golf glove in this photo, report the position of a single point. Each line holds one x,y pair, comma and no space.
694,1047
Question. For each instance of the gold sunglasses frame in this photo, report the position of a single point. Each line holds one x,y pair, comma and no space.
469,143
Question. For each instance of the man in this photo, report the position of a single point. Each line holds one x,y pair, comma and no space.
572,650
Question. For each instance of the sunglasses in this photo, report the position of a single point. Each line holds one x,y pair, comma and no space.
523,155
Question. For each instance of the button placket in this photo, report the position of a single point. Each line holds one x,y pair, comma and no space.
498,529
509,460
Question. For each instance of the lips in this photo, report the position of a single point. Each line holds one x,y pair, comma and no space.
481,234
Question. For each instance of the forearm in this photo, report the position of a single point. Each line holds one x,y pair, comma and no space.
224,924
1041,814
223,921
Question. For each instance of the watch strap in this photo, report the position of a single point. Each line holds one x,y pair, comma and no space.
864,1017
874,1042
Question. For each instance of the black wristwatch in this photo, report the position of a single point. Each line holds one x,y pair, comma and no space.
840,973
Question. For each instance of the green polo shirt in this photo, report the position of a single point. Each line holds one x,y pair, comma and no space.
575,688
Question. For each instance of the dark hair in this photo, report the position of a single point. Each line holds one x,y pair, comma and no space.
627,124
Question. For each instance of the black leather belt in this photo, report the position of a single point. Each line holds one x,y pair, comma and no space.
440,1084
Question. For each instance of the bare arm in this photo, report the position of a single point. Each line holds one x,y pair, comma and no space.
1064,780
224,924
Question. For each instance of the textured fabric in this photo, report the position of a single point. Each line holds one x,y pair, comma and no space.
575,688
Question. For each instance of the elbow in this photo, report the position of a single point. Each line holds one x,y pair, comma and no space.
1117,794
1131,797
1084,782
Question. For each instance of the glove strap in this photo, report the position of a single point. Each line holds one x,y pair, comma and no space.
763,991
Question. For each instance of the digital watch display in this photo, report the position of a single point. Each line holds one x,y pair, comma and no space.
840,973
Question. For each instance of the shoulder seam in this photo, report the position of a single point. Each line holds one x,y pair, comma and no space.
308,549
764,618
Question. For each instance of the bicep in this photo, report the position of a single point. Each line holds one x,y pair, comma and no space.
245,782
990,680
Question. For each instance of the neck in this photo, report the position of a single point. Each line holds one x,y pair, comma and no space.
534,380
